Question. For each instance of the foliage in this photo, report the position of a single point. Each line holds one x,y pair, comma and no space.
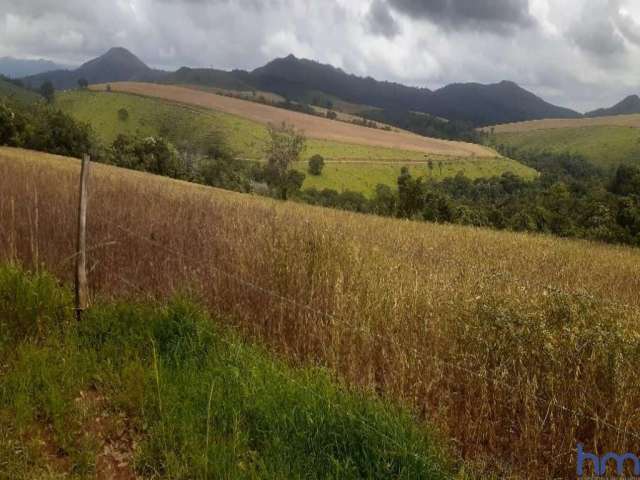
285,146
427,125
47,91
228,173
316,164
41,127
571,198
83,83
154,155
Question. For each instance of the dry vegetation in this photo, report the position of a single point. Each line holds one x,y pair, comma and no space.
314,127
516,346
612,121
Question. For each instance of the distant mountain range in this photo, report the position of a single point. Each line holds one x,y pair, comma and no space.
629,105
18,67
472,102
299,79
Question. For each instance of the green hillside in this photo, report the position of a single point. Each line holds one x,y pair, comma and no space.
363,177
185,125
16,94
604,146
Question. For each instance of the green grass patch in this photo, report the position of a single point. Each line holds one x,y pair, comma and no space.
16,94
604,146
194,400
363,177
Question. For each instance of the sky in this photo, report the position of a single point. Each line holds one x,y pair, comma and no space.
582,54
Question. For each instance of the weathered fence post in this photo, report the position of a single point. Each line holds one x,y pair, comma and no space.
82,288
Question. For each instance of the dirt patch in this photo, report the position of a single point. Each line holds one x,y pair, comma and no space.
314,127
113,434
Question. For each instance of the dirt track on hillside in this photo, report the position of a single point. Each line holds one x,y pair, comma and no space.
314,127
613,121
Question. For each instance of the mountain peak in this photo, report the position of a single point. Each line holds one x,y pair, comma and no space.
628,106
119,58
116,65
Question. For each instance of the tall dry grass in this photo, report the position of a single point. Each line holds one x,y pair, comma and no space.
516,346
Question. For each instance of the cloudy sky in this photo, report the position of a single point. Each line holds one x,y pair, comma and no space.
578,53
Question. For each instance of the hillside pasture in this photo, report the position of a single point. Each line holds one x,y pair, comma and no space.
314,127
363,177
348,166
516,347
548,124
604,146
13,93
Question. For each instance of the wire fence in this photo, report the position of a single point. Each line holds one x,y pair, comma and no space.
550,403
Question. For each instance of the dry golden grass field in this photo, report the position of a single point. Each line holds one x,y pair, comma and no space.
314,127
612,121
515,346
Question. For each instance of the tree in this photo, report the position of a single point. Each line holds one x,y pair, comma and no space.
384,201
83,83
316,164
123,114
154,155
626,180
284,147
47,91
409,194
8,128
108,87
430,164
54,131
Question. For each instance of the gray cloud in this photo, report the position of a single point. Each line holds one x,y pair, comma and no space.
595,31
582,54
477,14
628,27
380,21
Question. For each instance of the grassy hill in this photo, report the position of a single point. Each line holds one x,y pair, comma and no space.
489,336
555,123
16,94
604,146
349,166
314,126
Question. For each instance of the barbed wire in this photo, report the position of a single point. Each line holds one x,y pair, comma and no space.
551,403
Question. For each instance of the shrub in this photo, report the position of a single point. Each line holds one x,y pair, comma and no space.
123,115
316,164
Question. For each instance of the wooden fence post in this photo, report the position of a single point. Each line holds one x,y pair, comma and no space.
82,288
